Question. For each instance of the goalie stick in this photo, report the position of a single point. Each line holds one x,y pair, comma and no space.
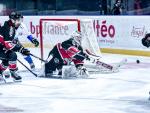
110,67
100,63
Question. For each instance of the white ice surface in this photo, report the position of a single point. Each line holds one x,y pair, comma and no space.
124,92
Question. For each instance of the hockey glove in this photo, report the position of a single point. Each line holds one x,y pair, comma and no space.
35,42
25,51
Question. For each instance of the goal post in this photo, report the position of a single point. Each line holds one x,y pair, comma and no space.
53,31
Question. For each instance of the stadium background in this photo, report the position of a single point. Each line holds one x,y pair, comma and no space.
73,7
37,9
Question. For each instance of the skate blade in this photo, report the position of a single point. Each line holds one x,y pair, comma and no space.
17,80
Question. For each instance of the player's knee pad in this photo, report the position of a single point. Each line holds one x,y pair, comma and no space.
3,67
13,65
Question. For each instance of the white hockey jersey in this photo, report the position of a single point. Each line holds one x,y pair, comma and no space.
22,32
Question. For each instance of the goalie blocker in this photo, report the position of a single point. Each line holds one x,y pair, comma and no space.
65,53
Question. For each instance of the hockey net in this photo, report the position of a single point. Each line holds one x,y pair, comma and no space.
53,31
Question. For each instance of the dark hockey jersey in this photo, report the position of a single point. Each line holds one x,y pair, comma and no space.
7,34
72,50
8,31
70,42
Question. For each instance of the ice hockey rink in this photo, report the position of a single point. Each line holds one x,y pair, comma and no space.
124,92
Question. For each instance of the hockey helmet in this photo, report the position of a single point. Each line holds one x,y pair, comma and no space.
15,15
77,37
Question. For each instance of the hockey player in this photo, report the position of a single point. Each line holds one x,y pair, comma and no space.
9,46
64,53
146,40
23,31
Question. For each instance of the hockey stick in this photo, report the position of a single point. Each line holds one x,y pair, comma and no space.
27,68
24,66
95,61
105,65
38,58
100,63
111,67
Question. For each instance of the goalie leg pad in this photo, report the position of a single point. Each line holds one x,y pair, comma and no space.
69,72
73,72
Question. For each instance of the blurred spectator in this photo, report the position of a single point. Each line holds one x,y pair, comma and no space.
117,9
138,7
103,7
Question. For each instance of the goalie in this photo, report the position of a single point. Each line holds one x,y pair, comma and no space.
64,54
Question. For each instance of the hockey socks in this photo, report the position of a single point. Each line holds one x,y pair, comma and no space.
28,59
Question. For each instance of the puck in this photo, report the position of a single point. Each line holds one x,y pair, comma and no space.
137,61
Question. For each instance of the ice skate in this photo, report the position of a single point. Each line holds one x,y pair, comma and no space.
16,77
32,66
